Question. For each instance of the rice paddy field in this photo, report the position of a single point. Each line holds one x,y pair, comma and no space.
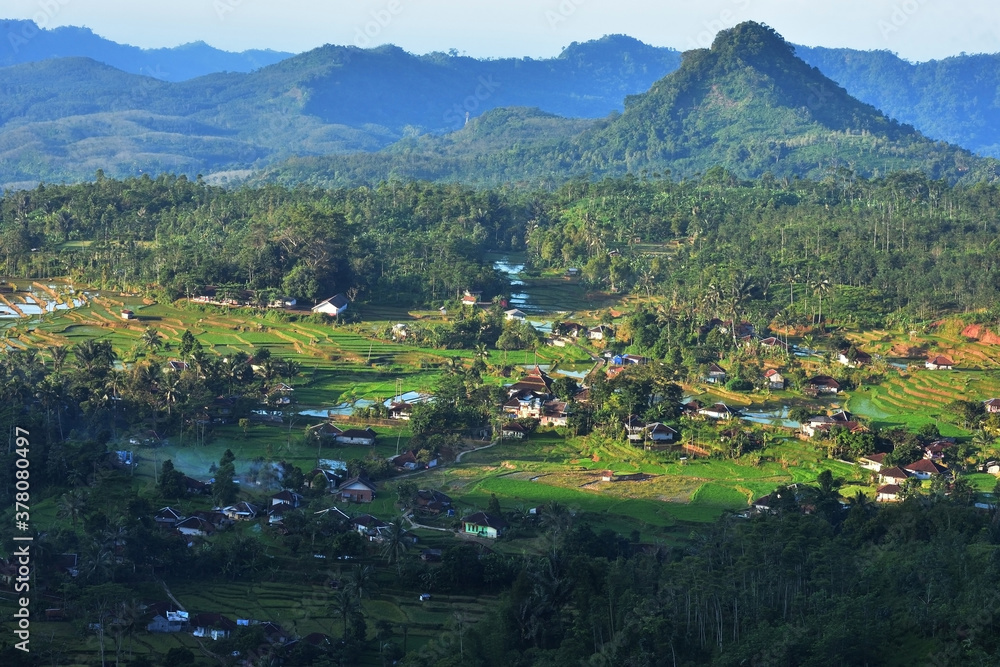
550,467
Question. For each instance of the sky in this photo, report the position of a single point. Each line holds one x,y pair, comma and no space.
917,30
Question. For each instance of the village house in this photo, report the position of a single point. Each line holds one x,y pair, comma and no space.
400,410
888,493
924,469
554,413
515,314
482,524
629,359
569,329
331,477
935,450
287,497
854,357
716,374
326,431
894,475
773,343
167,517
280,394
939,363
634,428
513,431
406,461
241,511
194,526
600,332
432,501
128,315
355,436
992,405
335,305
824,384
283,302
171,621
717,411
368,526
658,433
472,297
357,490
872,461
774,378
212,625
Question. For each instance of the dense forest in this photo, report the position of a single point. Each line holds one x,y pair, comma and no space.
843,247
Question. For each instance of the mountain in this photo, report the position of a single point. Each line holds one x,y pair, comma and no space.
748,104
64,118
25,42
956,99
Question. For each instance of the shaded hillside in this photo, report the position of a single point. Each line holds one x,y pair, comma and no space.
956,99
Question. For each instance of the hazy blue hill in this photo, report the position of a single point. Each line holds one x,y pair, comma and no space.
748,104
24,42
71,114
956,99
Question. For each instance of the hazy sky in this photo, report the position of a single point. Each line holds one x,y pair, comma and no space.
915,29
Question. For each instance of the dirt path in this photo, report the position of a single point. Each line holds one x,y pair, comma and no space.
171,596
458,459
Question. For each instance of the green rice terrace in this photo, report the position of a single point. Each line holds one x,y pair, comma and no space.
655,496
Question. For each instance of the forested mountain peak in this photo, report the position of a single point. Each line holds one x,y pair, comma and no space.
750,104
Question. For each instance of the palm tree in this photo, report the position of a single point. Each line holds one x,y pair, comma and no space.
150,339
171,391
58,353
395,542
71,505
344,604
290,369
820,287
362,581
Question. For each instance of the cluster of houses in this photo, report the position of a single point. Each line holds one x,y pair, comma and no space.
892,478
825,423
164,617
238,298
653,435
564,333
531,397
330,432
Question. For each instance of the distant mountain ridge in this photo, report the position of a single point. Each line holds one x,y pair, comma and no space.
955,99
64,118
23,41
748,105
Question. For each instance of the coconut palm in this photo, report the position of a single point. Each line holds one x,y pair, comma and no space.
819,288
395,544
151,340
344,604
58,354
362,581
71,505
